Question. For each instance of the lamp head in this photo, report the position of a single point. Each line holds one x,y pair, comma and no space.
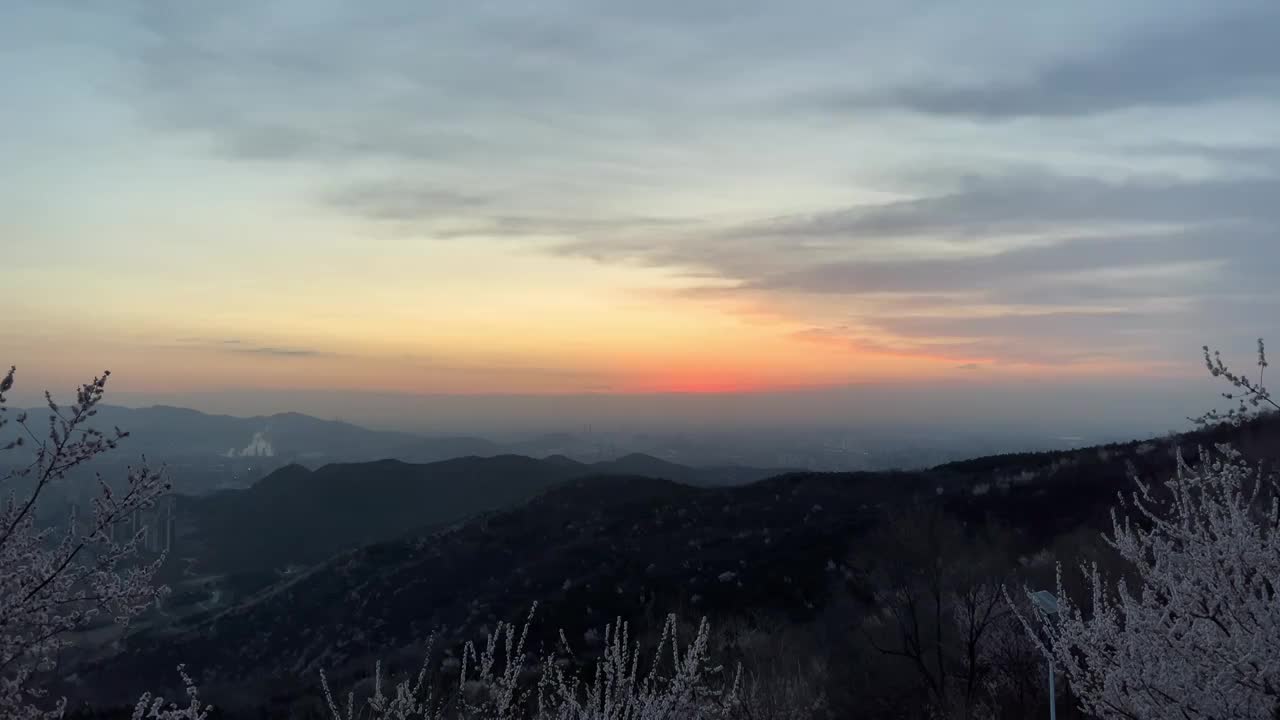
1046,601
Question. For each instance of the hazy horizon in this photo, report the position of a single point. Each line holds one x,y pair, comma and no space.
989,406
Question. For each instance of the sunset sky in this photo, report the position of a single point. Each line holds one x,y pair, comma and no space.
629,197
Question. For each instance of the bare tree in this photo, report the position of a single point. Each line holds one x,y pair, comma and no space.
939,608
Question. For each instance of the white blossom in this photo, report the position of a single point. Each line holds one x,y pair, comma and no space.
493,685
1251,397
1198,635
153,708
53,583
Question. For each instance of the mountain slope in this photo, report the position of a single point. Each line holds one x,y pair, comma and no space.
588,549
300,516
650,466
296,516
593,548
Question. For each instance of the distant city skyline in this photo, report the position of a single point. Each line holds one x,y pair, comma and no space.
736,200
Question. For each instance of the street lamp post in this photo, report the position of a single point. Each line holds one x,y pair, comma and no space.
1049,604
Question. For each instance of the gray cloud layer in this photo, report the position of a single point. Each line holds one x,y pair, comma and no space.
1074,233
1178,61
985,206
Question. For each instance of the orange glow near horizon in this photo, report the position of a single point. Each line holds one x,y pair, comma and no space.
728,357
532,325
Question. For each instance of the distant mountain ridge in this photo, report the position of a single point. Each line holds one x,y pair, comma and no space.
205,452
212,450
164,431
296,516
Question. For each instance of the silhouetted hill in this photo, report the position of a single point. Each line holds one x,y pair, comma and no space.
1054,492
561,459
650,466
165,433
592,548
299,516
296,516
205,452
589,549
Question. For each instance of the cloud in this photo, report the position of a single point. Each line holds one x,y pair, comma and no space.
1225,158
1036,200
398,84
982,339
1023,238
512,367
1028,267
1031,267
237,345
1067,238
451,214
1032,327
1105,267
592,230
402,200
1178,61
968,366
283,352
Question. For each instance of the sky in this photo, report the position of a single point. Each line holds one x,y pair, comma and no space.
277,200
